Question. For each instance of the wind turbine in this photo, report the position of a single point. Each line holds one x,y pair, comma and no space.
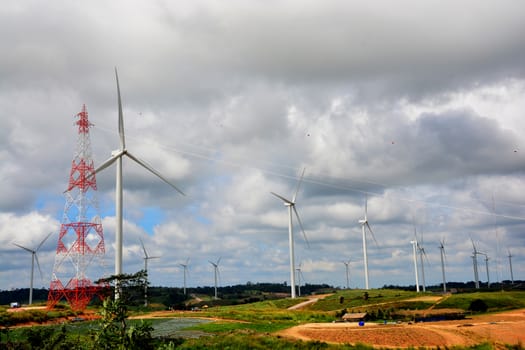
291,207
299,274
487,267
422,254
33,258
116,156
347,263
475,263
216,271
510,265
364,226
185,266
146,258
443,257
414,245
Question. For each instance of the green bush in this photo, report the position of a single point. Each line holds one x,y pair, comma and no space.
478,305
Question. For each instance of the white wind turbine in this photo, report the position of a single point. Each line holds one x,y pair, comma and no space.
443,257
487,267
33,258
216,272
414,247
510,265
347,267
422,254
299,275
185,267
116,156
475,263
146,258
291,207
364,226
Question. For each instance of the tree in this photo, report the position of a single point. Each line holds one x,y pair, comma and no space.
115,332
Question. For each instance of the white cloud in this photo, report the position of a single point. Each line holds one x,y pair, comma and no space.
415,105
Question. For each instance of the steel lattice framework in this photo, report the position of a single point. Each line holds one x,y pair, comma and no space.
80,249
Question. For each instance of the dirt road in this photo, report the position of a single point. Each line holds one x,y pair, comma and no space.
498,329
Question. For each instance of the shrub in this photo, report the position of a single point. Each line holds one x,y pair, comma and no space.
478,305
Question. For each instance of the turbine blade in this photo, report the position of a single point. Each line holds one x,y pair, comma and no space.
187,261
282,198
425,255
301,225
155,172
211,262
153,257
144,249
45,239
107,163
38,265
298,185
473,245
372,233
219,260
366,207
120,116
20,246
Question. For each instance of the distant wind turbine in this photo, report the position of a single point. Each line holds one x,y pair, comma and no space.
299,275
510,265
422,255
291,207
364,226
487,267
216,272
116,156
475,254
33,258
185,266
443,257
347,264
414,254
146,258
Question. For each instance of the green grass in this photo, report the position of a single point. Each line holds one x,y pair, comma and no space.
251,340
251,326
353,299
496,301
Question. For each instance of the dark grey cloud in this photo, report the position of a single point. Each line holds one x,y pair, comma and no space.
415,105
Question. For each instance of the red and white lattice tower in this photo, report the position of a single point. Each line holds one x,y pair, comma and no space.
80,250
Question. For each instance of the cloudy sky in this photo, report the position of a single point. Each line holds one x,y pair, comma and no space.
417,105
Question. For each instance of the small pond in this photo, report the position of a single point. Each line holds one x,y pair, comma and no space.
176,327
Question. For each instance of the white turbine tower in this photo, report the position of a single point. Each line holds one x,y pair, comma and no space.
299,275
146,258
414,247
216,272
347,267
475,264
364,226
185,267
443,257
422,254
510,265
33,258
487,267
291,207
116,156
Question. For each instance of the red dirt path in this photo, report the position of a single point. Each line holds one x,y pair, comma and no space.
497,329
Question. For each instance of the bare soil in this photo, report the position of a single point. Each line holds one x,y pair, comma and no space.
497,329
